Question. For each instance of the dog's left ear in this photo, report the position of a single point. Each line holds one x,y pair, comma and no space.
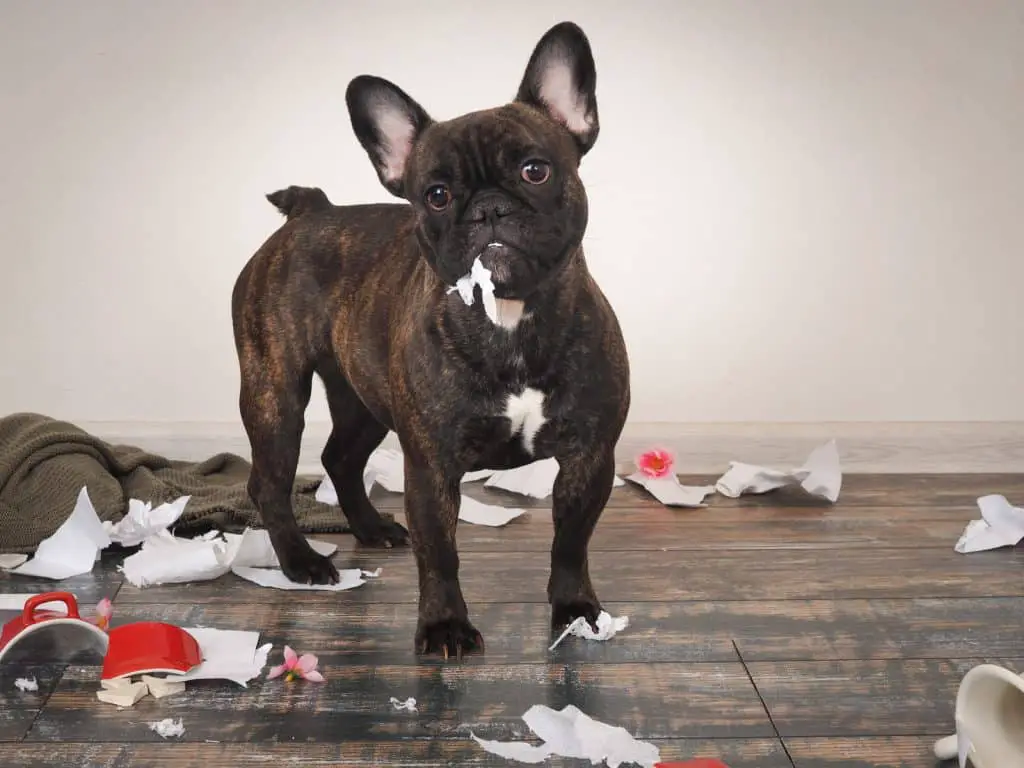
387,122
561,80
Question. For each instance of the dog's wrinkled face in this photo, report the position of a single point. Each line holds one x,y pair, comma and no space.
500,184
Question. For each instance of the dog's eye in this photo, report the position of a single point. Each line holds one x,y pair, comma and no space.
535,171
438,197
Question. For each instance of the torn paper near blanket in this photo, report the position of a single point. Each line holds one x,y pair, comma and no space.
1001,525
670,492
143,521
276,579
7,562
73,549
536,479
167,559
607,627
168,728
819,476
571,733
478,513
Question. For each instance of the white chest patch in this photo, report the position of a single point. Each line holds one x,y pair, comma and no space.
525,411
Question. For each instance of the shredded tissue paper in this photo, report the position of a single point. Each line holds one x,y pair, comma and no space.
571,733
819,476
1001,525
607,627
478,275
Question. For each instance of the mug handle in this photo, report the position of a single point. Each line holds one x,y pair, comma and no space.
28,612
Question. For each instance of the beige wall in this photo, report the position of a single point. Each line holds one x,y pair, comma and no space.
802,210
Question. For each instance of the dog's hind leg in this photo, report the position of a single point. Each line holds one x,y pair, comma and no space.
355,434
273,397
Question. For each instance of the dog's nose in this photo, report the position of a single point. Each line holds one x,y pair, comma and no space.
489,206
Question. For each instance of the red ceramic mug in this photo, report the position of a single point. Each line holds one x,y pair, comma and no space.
146,647
47,635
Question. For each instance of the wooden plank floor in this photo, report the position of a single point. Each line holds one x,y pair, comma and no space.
768,631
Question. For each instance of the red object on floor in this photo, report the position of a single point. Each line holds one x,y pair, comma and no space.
700,762
150,646
40,635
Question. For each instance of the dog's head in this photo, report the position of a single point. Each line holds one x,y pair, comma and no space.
499,184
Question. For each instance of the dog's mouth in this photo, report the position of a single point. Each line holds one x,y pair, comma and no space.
497,257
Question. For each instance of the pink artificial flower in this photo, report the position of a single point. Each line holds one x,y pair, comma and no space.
656,463
296,666
104,610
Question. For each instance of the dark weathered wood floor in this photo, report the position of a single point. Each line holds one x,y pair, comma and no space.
769,631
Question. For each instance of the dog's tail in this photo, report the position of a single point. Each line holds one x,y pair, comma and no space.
295,201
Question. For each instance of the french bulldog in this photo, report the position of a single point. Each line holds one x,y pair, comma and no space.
464,319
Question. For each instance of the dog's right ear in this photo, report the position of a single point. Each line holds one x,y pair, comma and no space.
387,122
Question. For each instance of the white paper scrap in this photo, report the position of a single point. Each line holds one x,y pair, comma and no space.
167,559
409,705
143,521
26,684
276,579
571,733
252,548
168,727
819,476
670,492
476,475
478,275
536,479
478,513
1001,525
7,562
228,654
386,468
607,627
73,549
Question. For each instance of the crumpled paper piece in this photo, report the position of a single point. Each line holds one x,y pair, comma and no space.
167,559
1001,525
276,579
571,733
607,627
478,275
670,492
26,684
143,521
73,549
7,562
228,654
409,705
168,727
477,513
536,479
819,476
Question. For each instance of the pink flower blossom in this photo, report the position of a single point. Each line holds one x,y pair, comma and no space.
296,666
656,463
104,610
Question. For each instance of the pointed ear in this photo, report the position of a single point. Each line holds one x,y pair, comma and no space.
387,123
561,80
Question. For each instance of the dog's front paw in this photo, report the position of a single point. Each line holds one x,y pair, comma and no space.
308,567
381,534
449,637
565,612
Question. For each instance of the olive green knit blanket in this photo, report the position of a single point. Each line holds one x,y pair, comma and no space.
45,462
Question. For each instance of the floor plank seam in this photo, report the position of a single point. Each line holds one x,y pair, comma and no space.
764,704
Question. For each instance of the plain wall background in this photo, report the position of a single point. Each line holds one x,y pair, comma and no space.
801,210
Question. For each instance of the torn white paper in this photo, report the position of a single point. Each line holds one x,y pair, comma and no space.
670,492
7,562
73,549
478,275
26,684
167,559
276,579
168,728
607,627
1001,525
819,476
409,705
536,479
478,513
143,521
571,733
228,654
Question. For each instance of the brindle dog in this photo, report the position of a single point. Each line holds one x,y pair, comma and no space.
362,296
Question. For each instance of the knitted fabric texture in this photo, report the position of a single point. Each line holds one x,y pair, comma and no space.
45,462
